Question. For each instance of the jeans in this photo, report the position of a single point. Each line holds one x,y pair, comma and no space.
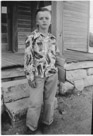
42,95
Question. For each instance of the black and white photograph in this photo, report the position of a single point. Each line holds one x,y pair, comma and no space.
46,67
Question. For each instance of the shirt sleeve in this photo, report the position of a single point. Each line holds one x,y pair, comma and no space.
29,68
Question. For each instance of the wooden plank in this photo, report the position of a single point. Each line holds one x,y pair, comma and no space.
75,40
12,73
27,17
74,16
79,20
79,65
24,25
78,3
24,30
67,36
23,7
67,12
76,56
76,8
73,24
14,33
73,47
24,13
4,38
24,20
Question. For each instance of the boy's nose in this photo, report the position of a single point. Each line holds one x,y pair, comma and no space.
44,19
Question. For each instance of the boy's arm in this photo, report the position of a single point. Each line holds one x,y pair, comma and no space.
28,60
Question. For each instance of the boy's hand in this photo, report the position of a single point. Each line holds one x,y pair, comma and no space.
33,84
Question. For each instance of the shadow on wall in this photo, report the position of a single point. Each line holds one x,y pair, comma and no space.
91,42
91,39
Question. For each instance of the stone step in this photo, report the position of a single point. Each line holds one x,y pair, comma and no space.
17,109
80,84
76,75
90,71
15,90
65,87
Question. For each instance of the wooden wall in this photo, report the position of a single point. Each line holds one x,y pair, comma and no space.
76,25
4,27
24,22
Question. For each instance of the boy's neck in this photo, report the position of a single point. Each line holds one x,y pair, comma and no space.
43,31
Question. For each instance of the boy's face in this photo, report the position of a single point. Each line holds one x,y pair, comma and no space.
43,19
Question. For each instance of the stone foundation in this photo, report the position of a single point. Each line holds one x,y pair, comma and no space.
78,74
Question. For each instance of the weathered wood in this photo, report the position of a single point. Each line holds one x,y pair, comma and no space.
57,23
14,30
78,65
76,56
12,73
81,11
24,22
75,75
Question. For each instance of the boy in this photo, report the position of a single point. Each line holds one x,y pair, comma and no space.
41,72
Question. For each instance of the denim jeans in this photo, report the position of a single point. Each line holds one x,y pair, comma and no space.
42,95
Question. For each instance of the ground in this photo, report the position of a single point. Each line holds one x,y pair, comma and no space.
73,115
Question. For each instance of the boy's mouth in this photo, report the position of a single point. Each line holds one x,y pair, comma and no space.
44,24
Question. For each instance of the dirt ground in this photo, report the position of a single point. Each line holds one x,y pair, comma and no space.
73,115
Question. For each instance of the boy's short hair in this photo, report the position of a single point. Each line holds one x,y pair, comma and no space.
41,10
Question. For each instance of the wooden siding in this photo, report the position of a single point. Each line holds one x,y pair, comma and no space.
24,22
75,25
4,34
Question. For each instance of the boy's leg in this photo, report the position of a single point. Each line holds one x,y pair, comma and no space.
49,98
35,104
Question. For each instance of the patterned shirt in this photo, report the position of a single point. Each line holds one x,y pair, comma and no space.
40,55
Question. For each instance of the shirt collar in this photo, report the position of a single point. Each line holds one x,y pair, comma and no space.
37,34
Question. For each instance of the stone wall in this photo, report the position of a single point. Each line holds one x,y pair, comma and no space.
77,75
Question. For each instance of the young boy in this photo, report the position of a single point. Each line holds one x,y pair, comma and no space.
41,72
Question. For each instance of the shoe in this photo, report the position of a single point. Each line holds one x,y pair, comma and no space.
28,131
45,128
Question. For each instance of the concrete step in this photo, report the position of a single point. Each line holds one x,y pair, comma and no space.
15,90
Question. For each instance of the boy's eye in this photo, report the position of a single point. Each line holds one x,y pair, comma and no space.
47,18
41,18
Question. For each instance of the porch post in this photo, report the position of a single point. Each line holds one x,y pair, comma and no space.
57,23
12,26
